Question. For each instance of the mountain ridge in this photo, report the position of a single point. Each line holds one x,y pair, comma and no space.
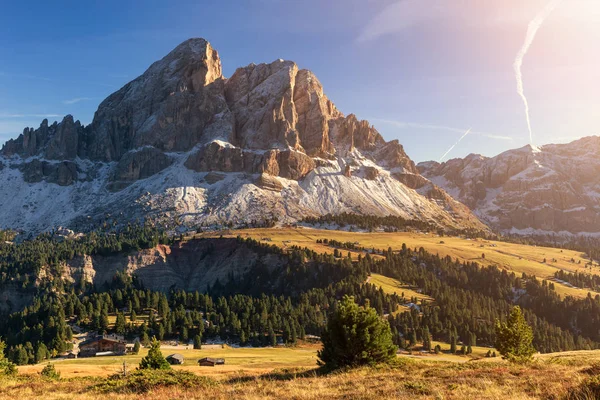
182,145
551,189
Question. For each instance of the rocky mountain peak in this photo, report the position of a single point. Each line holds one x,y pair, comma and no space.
529,190
181,141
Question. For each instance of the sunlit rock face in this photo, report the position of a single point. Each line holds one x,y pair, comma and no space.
181,145
551,189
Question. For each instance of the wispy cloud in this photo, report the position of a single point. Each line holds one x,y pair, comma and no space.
434,127
77,100
43,78
12,115
405,14
25,76
400,16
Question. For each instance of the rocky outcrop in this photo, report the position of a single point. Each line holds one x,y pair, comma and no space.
294,165
59,141
348,171
371,173
353,133
61,173
278,105
393,156
269,182
191,265
413,181
552,189
137,165
217,157
64,143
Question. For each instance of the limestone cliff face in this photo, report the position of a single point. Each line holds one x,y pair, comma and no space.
191,266
554,188
182,141
171,106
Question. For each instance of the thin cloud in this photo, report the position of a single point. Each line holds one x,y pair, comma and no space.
11,116
25,76
77,100
400,16
434,127
43,78
406,14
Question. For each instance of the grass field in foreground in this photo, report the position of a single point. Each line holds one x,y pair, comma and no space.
512,257
553,376
256,360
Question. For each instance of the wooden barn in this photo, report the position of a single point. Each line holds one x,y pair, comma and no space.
211,362
175,359
102,345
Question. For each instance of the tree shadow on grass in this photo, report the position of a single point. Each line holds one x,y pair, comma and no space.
289,374
286,374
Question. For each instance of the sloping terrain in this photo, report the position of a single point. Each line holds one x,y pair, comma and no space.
542,262
183,146
529,191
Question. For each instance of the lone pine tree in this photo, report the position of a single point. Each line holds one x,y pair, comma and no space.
154,359
514,338
356,336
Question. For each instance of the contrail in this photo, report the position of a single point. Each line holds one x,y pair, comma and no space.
532,30
455,144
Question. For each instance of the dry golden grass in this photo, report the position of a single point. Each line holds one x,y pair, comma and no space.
249,359
509,256
547,378
393,286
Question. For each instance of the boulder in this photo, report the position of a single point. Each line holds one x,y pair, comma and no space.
348,171
371,173
268,182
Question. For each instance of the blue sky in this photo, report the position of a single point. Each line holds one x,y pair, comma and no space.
421,71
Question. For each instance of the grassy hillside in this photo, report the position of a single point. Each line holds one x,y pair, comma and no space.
556,376
512,257
391,286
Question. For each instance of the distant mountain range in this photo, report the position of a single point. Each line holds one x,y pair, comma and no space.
183,146
553,189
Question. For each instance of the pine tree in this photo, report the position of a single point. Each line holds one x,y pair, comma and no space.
453,344
120,324
136,347
49,372
145,339
272,337
41,353
426,339
154,359
6,367
356,336
514,338
197,342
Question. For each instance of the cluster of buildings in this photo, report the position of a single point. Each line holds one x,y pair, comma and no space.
113,345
